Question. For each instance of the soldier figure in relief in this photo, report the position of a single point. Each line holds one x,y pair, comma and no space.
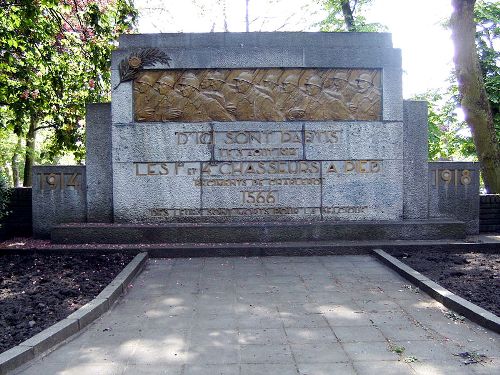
199,107
292,101
146,97
215,86
254,104
171,102
338,87
366,103
320,106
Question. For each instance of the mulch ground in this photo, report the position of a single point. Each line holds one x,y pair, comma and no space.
38,291
473,276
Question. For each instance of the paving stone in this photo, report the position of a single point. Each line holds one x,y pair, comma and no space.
264,336
152,370
275,353
326,369
268,368
358,333
382,367
432,367
309,335
212,370
321,352
369,351
157,328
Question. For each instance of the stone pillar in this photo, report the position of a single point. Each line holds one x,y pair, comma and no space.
454,192
415,156
59,196
99,164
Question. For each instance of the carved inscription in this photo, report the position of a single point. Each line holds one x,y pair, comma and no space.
259,188
258,95
453,177
60,181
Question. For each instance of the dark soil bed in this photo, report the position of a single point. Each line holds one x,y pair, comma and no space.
37,291
473,276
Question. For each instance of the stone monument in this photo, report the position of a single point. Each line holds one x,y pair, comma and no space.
233,130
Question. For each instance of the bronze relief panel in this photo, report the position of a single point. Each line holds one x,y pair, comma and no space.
258,95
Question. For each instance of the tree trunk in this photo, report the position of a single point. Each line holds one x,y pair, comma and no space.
15,163
348,17
474,100
30,152
247,22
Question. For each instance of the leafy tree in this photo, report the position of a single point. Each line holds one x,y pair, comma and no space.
487,19
4,195
474,98
54,58
347,15
449,137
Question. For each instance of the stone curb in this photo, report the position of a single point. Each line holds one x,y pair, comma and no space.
75,322
452,301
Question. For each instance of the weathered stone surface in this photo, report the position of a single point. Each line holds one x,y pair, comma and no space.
362,190
144,191
415,166
353,140
99,163
454,192
59,196
161,142
263,39
248,170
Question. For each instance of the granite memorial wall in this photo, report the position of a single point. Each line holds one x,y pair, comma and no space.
258,127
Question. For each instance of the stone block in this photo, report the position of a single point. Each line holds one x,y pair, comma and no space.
351,57
155,40
98,162
122,100
454,192
59,196
51,336
255,39
227,57
15,357
392,97
147,191
161,142
415,166
362,190
353,140
90,312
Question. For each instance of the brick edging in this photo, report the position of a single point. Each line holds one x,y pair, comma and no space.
452,301
55,334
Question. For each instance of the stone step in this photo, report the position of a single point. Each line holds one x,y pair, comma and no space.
304,248
83,233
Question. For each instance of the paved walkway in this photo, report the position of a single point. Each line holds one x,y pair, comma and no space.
275,315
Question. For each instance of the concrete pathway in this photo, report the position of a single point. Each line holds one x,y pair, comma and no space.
274,315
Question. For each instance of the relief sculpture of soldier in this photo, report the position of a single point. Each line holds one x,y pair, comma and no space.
327,95
366,103
254,104
293,99
214,86
146,97
339,87
171,102
199,107
320,106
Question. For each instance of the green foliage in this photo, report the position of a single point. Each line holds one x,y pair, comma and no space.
487,18
54,58
335,20
449,137
4,195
